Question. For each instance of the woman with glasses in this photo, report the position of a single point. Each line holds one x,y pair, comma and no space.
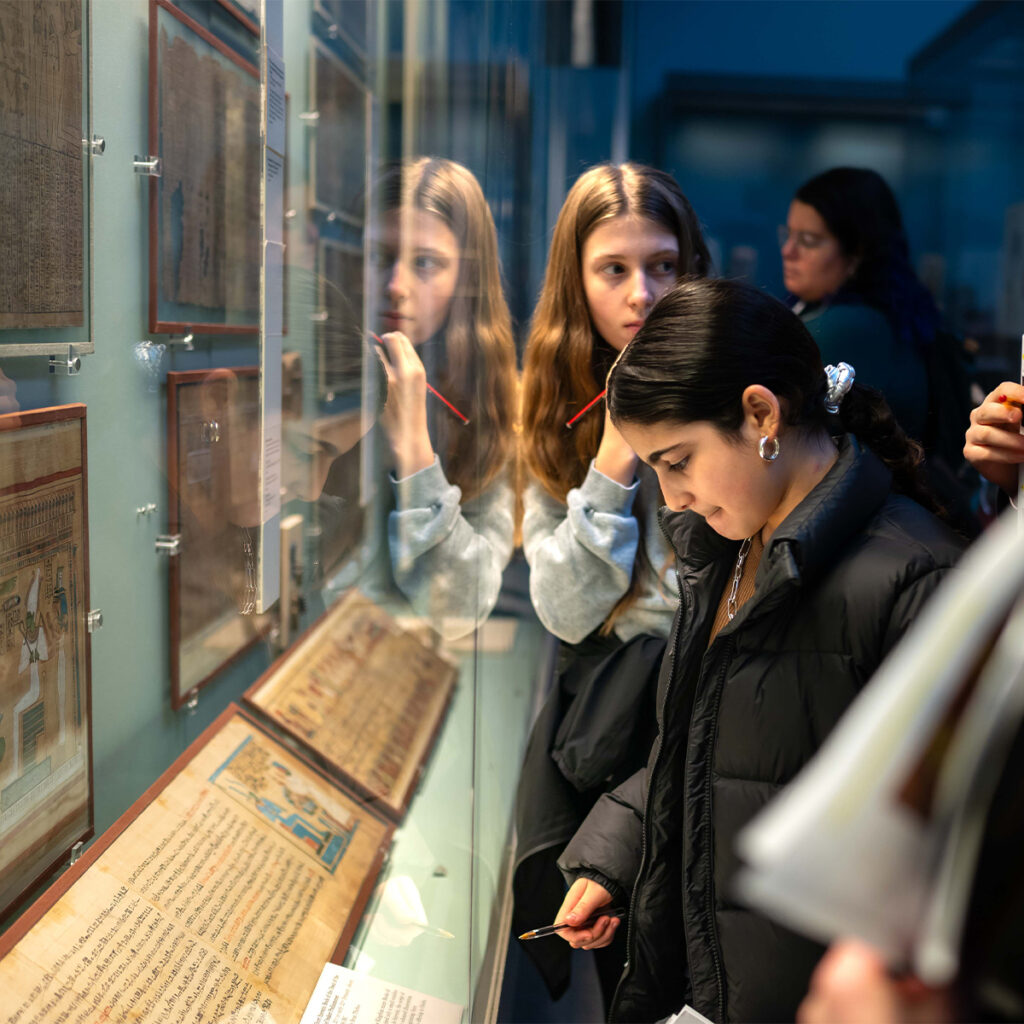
846,261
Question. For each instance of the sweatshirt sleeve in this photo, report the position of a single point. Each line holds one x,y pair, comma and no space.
447,556
580,554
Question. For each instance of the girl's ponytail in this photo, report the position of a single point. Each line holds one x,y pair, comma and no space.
865,413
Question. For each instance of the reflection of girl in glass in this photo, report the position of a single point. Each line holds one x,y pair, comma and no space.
600,568
447,350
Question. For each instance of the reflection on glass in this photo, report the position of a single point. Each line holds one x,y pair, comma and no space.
442,335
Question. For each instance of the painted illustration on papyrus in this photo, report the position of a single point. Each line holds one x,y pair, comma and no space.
235,879
41,180
44,672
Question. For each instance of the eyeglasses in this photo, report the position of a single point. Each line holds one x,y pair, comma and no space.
803,239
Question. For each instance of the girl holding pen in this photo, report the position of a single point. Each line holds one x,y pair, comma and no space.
445,344
625,235
805,547
601,578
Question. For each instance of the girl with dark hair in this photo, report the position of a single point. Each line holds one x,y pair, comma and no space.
803,553
846,260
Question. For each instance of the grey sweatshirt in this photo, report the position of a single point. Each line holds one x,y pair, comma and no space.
581,557
447,556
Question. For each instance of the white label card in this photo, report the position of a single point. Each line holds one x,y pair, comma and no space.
343,996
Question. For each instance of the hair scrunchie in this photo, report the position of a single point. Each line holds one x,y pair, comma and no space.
840,380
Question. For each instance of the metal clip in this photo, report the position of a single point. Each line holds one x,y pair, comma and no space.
210,432
76,851
186,341
152,166
95,146
146,510
94,619
67,366
169,544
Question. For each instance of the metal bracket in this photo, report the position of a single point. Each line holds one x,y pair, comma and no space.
76,850
67,366
169,544
146,510
94,619
152,166
186,341
310,117
95,146
192,703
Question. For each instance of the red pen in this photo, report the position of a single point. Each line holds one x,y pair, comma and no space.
431,388
586,408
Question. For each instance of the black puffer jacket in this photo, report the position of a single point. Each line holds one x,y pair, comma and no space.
838,583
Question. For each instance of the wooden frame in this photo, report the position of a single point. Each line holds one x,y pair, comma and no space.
231,272
364,699
46,779
335,187
228,883
213,506
341,340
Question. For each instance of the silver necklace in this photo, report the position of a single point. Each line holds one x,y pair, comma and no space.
730,604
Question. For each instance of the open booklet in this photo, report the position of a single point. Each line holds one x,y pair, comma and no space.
878,837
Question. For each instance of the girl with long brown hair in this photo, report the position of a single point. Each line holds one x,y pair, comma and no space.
625,234
600,568
446,348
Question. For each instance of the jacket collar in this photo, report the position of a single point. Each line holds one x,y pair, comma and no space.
811,538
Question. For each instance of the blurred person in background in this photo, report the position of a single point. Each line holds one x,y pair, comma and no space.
846,262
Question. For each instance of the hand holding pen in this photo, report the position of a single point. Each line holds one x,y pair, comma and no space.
553,929
586,918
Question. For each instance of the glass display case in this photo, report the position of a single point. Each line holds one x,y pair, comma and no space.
152,594
268,661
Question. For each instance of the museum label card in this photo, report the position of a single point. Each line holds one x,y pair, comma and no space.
343,996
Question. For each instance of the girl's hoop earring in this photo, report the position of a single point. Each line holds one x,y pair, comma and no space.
768,448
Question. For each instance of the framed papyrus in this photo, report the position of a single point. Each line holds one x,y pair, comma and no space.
46,801
204,212
219,895
213,433
363,697
42,168
342,342
338,145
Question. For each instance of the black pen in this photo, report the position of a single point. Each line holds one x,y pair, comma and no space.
550,929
